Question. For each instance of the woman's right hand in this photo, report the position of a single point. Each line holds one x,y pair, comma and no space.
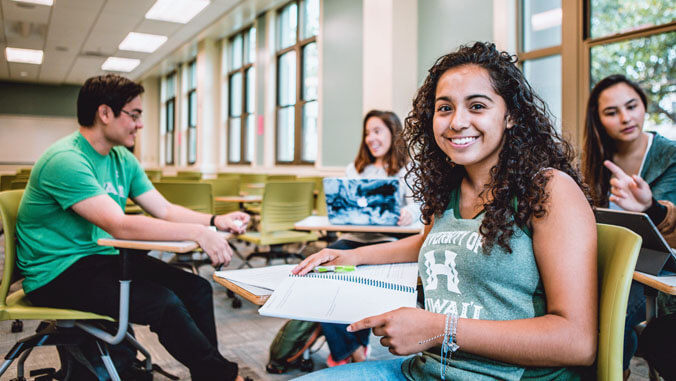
327,257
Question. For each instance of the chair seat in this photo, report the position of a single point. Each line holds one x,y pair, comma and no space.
18,307
278,237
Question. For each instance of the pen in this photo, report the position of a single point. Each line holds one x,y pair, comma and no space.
335,269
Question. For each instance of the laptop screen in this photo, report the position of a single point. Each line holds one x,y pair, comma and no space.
362,201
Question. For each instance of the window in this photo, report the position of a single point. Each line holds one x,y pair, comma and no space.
241,95
192,112
637,38
540,51
297,82
170,117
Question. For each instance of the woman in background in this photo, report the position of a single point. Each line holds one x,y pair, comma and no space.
381,155
627,168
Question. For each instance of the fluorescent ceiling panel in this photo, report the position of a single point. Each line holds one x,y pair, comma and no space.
41,2
180,11
29,56
142,42
546,20
120,64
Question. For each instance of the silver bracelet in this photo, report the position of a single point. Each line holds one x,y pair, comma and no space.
444,334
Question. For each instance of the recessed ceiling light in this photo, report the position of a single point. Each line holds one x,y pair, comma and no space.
23,74
41,2
180,11
120,64
142,42
29,56
547,19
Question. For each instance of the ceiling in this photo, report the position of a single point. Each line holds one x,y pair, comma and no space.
78,35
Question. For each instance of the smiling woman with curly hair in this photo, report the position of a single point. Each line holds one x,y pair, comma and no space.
507,224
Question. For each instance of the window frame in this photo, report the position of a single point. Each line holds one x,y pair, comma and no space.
300,102
192,90
172,101
244,114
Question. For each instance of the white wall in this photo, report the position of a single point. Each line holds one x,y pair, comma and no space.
24,138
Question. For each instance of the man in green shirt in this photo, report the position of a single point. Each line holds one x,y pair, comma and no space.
77,193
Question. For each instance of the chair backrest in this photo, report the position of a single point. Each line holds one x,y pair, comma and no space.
6,181
320,196
280,177
224,186
618,250
18,184
191,174
181,178
154,174
192,195
284,204
9,207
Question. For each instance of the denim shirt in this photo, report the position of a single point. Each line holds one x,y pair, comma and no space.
659,171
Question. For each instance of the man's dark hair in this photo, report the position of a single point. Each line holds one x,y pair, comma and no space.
111,90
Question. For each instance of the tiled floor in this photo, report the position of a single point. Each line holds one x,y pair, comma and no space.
244,337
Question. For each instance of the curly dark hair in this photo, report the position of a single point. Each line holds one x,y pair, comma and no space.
516,191
598,145
395,158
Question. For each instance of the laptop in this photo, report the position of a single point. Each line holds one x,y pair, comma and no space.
656,257
362,201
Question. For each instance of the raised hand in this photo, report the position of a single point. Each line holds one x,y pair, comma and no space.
403,329
629,192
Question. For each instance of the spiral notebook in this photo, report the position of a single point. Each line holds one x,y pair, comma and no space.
344,297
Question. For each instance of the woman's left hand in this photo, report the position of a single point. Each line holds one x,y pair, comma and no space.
234,222
629,192
403,328
405,218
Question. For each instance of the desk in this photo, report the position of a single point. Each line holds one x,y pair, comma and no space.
240,199
666,284
322,223
172,246
257,299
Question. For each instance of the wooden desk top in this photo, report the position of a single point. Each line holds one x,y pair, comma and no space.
666,284
322,223
250,198
170,246
258,300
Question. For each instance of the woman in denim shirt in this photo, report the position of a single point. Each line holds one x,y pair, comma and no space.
627,168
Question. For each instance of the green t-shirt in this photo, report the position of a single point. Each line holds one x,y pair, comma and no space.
459,277
50,235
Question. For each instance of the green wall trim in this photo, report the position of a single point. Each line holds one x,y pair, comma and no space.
19,98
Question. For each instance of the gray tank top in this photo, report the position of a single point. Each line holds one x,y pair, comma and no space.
458,276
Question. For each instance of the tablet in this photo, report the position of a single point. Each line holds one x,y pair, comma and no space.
656,255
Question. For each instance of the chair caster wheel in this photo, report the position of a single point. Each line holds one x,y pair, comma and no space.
17,326
307,365
236,303
230,294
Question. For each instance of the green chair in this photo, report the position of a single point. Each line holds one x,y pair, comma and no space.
196,196
280,177
154,174
191,174
250,178
224,186
185,178
618,250
18,184
65,327
284,204
24,172
5,181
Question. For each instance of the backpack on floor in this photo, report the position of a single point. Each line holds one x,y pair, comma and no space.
291,347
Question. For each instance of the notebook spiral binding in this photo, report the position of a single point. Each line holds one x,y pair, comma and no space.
360,280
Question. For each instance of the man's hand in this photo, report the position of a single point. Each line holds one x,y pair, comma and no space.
235,222
215,246
403,329
629,192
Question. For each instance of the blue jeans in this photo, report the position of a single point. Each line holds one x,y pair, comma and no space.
635,315
385,370
342,343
